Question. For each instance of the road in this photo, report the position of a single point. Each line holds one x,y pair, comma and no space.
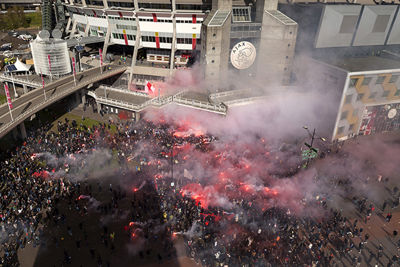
29,103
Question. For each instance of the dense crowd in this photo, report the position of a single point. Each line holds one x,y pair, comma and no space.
245,234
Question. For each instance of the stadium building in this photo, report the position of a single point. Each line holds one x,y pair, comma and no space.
165,35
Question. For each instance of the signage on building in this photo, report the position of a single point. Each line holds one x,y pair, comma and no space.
243,55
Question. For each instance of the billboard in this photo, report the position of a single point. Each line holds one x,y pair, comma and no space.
380,118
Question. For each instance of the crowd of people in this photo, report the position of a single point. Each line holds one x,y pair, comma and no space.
39,174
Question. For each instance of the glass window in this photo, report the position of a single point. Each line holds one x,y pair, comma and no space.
366,80
372,95
397,93
360,96
353,81
380,79
394,78
340,130
241,14
348,99
385,93
344,115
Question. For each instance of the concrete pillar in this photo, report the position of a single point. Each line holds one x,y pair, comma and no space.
107,38
73,29
87,26
83,97
25,88
84,3
68,25
137,116
105,3
77,98
15,133
98,107
173,44
135,51
23,130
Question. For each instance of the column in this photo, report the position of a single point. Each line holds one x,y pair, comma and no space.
77,98
87,26
98,107
72,34
15,133
137,116
107,38
135,50
105,3
68,25
23,130
83,97
173,44
25,88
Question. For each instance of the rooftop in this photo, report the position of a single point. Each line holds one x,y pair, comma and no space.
359,64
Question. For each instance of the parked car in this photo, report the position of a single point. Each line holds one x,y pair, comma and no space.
6,47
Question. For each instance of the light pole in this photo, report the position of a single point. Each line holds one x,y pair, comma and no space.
312,152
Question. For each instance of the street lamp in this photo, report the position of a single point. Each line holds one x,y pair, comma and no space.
312,152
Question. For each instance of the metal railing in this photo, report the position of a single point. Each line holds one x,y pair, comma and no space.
17,79
53,98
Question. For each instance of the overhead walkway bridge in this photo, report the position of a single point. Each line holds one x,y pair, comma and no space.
36,100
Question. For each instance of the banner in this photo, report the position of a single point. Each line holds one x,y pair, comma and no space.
8,96
73,65
48,57
101,56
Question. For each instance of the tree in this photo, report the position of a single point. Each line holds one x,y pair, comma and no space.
15,18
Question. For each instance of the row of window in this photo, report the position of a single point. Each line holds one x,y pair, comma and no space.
360,96
170,20
121,36
153,39
126,27
151,5
379,80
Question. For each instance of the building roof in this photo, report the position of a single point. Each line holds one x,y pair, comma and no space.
219,18
360,64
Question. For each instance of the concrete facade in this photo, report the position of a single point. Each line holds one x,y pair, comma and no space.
215,48
276,48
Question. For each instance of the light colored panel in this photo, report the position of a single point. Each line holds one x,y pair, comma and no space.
374,25
337,26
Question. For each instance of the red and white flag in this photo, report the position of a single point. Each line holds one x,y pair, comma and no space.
73,65
149,88
48,57
8,96
101,56
41,75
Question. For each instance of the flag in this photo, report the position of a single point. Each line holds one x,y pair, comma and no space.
149,88
8,96
73,65
48,57
101,56
41,75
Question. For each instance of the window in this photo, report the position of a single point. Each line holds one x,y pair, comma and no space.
372,95
381,23
348,24
380,79
241,14
385,93
344,115
352,126
353,81
348,99
355,113
151,57
340,130
360,96
366,80
394,78
159,58
212,61
397,93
